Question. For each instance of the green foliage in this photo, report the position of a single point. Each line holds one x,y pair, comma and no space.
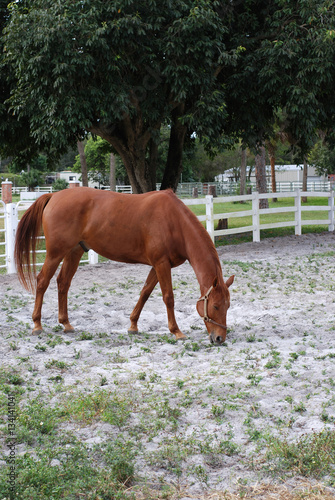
323,158
60,184
97,153
32,179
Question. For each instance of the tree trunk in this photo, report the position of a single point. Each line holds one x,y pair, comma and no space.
81,150
112,180
260,173
138,170
272,155
243,173
304,180
174,165
153,161
132,144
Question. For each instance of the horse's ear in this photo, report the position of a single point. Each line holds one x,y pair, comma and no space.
230,280
215,282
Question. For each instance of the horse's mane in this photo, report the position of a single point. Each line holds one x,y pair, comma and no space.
198,227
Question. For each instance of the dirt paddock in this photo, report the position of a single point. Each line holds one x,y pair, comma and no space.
203,418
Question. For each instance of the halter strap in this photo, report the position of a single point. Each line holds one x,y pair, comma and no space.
205,317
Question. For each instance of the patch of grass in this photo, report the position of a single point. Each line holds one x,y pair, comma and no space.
68,471
313,455
106,406
37,418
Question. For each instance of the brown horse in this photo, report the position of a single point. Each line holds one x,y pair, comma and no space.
154,228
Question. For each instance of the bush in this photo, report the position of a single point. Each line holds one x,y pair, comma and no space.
60,184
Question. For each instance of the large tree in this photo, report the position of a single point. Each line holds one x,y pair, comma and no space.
119,70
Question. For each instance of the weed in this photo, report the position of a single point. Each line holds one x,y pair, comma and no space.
275,361
254,379
40,347
57,328
251,337
103,380
56,341
299,408
54,363
86,336
217,411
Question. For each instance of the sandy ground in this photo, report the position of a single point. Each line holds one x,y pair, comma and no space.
275,373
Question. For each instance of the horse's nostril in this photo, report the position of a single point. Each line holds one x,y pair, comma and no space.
218,340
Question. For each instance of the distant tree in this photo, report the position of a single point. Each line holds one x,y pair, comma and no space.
322,157
260,173
32,178
60,184
38,162
83,163
98,156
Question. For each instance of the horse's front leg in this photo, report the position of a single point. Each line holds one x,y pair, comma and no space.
163,271
64,278
148,287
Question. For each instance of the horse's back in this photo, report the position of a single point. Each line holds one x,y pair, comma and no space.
130,228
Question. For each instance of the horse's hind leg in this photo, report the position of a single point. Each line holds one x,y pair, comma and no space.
148,287
43,279
64,278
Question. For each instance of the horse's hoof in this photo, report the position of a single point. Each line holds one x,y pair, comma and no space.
180,336
132,332
69,330
38,331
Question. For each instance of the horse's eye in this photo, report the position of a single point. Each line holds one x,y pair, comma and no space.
216,308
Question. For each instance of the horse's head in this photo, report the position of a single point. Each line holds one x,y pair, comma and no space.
213,307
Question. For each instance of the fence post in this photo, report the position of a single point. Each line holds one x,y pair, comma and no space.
256,236
93,257
11,222
210,216
6,192
331,211
297,215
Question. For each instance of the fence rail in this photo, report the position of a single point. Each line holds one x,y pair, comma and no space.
187,189
255,212
10,213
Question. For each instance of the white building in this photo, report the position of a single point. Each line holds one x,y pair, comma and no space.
284,173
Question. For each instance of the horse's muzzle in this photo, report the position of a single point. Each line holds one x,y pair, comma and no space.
216,339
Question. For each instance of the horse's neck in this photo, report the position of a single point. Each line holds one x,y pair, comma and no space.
205,263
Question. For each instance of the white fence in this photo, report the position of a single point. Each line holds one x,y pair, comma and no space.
186,189
9,214
297,221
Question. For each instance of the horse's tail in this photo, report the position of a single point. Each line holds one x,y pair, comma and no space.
28,230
